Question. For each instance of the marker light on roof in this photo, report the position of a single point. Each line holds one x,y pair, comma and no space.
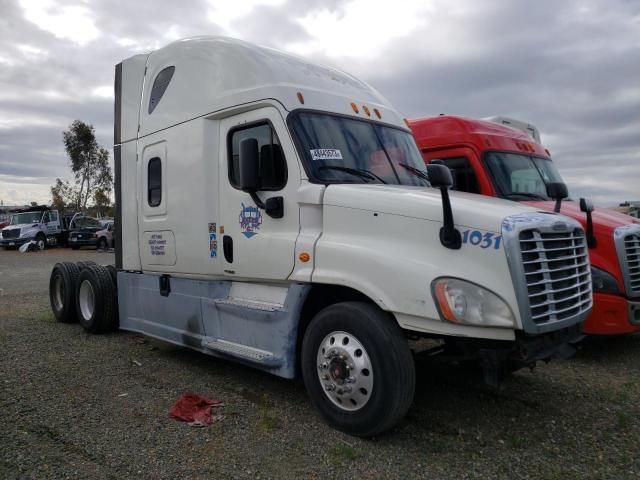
301,98
355,107
366,110
377,112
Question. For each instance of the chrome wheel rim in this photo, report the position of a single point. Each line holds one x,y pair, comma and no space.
58,292
345,371
40,244
86,299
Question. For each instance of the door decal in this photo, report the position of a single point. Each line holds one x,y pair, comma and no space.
250,220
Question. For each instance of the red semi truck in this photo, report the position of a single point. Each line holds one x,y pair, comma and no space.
491,159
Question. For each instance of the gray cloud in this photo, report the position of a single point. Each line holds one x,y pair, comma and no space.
569,67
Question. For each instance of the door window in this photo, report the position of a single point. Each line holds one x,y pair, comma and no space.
154,182
273,166
464,177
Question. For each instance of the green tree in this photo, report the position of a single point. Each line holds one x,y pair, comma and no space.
89,165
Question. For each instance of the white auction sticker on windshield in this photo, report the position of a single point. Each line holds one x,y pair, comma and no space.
326,154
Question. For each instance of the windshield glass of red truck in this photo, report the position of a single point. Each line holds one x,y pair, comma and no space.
521,177
340,149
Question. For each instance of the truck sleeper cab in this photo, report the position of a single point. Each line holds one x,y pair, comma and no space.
504,162
278,213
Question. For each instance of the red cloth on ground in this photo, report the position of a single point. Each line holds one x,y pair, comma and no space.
194,408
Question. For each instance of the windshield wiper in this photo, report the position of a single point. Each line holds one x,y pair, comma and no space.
359,172
535,196
416,171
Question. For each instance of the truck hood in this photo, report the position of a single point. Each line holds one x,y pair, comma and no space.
20,225
469,210
604,219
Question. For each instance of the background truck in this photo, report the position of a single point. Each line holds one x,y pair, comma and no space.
40,224
499,161
278,213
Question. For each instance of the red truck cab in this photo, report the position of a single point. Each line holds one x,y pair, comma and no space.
491,159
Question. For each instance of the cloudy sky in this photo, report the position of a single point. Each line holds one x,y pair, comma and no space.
572,68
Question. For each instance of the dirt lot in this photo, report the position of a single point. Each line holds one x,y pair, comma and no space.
74,405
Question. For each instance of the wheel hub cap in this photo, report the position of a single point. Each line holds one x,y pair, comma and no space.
345,371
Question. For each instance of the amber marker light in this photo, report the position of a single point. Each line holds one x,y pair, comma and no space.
366,110
301,98
377,112
355,107
304,257
441,294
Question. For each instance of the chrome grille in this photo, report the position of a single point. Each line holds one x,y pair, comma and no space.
632,256
12,233
557,274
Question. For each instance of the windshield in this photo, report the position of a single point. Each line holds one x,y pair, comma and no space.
346,150
27,217
521,177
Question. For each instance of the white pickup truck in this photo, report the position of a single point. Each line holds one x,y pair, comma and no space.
278,213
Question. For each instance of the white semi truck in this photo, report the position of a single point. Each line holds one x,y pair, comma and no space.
277,213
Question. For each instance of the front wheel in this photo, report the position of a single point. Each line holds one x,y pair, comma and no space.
357,368
41,241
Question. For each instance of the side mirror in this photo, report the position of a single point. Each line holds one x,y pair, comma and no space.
586,206
249,165
440,177
557,191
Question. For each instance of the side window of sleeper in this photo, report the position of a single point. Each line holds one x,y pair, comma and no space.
273,166
154,182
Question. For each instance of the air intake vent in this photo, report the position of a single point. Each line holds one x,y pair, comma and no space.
632,254
557,274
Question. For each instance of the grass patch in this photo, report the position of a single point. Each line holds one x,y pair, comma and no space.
268,421
344,453
44,316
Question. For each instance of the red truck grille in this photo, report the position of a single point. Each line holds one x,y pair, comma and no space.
557,273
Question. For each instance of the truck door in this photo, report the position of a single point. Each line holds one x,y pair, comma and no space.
467,170
255,245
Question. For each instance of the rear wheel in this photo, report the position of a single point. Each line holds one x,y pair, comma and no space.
62,288
102,243
96,300
357,368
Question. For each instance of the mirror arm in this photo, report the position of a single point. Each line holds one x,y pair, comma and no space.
256,199
592,242
449,236
556,209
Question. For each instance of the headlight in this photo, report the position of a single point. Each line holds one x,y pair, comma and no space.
469,304
603,282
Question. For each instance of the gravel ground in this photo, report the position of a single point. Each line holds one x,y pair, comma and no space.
73,405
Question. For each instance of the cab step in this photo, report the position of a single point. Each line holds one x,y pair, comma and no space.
244,352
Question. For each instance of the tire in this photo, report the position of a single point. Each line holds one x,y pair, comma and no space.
62,291
41,241
114,276
96,300
84,263
102,244
385,364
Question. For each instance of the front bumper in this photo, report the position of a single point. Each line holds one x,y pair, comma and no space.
14,242
613,315
82,242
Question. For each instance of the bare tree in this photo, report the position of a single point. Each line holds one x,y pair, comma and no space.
89,164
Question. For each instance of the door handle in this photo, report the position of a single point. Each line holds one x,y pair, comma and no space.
227,248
